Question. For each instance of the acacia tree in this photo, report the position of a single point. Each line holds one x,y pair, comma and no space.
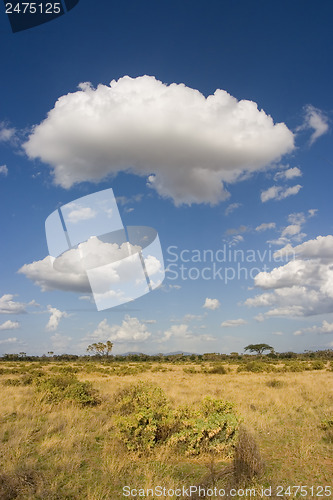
259,348
100,349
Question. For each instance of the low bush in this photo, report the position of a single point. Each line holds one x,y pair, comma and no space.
317,365
64,369
190,369
296,367
130,370
58,388
155,369
256,367
143,416
212,428
219,369
12,381
144,419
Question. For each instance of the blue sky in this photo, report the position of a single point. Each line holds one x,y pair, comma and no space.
210,174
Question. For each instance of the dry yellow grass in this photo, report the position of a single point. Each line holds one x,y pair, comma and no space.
63,451
285,420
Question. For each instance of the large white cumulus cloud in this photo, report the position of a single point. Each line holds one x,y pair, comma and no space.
72,278
67,272
186,144
303,286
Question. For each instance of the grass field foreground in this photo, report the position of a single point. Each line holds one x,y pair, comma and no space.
60,450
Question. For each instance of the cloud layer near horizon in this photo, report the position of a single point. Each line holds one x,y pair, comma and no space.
187,145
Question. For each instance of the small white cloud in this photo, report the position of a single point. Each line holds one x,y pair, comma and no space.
6,133
131,330
3,170
10,340
233,323
288,174
291,230
182,332
87,298
81,213
193,317
211,304
260,317
312,212
9,306
235,240
55,317
10,325
231,208
177,331
270,193
316,120
297,218
279,192
324,328
266,225
277,333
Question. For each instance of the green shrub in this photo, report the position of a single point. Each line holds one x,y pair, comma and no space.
158,368
143,416
64,369
58,388
220,369
190,369
317,365
296,367
256,367
12,381
210,428
327,424
131,370
26,379
145,419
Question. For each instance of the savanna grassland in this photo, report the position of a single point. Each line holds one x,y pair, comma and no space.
84,430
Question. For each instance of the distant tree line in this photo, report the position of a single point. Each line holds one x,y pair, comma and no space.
102,351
